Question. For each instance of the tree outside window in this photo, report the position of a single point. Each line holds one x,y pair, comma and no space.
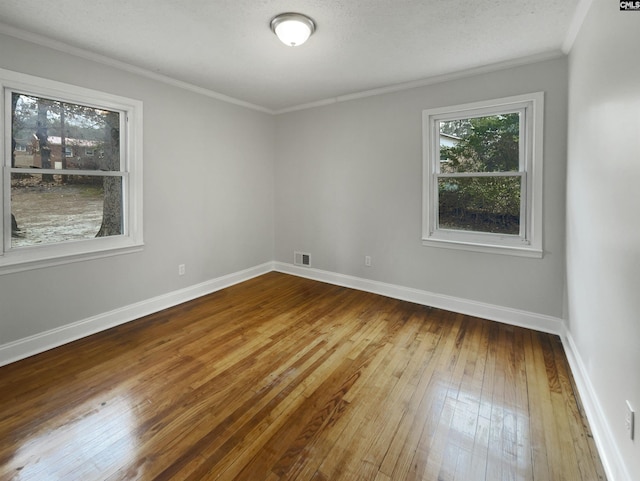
482,185
78,201
72,184
488,144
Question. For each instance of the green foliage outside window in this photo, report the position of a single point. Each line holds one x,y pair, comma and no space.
482,145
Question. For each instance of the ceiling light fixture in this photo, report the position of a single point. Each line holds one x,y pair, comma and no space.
293,29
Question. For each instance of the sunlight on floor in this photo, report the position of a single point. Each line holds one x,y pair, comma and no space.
102,436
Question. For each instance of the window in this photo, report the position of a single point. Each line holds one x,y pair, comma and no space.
57,207
482,168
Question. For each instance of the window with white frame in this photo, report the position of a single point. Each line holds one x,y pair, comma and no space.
482,169
58,208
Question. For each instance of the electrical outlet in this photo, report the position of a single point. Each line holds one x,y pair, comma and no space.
629,420
367,261
181,269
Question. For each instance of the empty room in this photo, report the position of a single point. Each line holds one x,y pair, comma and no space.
283,240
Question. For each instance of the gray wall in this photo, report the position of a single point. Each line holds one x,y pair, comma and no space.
208,199
603,228
348,184
224,185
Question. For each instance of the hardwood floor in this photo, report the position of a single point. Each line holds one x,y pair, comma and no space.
283,378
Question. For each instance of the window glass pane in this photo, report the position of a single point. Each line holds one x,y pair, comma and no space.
70,207
481,204
480,144
48,134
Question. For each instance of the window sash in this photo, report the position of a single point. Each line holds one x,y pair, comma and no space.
8,247
71,99
521,236
479,113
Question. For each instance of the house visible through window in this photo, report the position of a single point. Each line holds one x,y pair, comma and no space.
483,174
64,202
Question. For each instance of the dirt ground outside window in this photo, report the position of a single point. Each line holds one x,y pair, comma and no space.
51,212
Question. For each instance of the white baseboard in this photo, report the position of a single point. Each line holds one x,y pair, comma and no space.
44,341
605,442
515,317
612,461
22,348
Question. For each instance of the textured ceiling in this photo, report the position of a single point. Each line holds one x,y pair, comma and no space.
226,46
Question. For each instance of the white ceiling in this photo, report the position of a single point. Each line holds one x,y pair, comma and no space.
226,46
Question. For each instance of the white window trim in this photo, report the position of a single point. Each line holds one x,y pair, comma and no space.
529,242
34,257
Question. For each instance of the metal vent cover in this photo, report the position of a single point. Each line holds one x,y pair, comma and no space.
302,259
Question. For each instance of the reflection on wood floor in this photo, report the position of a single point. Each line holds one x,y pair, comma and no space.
283,378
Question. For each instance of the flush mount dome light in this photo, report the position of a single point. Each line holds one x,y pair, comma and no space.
293,29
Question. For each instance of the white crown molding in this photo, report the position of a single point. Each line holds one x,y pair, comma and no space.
460,74
576,24
104,60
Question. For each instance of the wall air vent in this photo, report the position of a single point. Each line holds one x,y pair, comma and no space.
302,259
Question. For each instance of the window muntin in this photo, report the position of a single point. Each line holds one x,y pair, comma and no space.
75,190
482,176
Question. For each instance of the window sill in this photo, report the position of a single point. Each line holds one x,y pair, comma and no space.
34,258
521,251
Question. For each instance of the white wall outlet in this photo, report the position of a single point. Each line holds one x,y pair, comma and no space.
181,269
367,261
629,420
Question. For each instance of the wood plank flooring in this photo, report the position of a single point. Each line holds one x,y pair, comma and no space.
283,378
